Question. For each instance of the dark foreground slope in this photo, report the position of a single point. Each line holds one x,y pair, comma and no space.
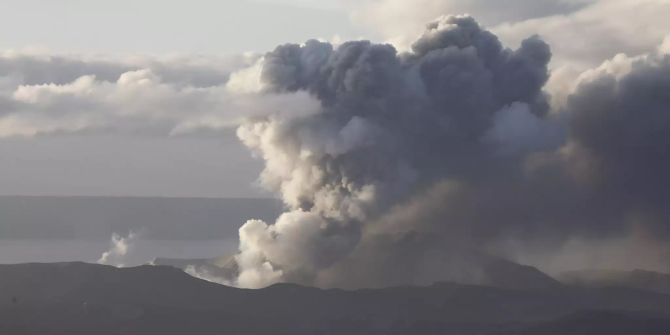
600,322
78,298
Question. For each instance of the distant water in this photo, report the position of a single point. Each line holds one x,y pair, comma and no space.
96,218
56,229
143,251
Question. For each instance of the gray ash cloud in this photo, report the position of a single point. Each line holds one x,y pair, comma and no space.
390,126
415,167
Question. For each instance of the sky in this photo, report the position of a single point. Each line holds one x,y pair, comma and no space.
69,125
138,165
153,26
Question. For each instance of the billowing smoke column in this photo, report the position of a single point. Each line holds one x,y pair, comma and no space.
389,126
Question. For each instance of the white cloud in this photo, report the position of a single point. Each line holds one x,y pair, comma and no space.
42,93
47,94
664,48
596,32
247,80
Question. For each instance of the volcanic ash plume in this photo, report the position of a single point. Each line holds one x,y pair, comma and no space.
389,126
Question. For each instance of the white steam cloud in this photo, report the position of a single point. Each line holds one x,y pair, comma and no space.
120,249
